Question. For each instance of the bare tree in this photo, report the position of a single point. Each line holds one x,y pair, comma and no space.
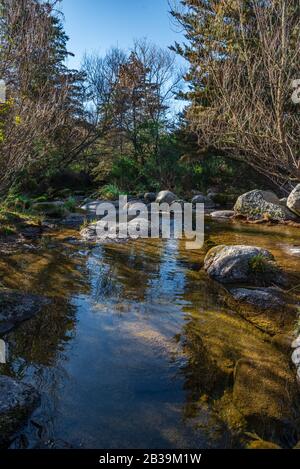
131,90
243,60
41,123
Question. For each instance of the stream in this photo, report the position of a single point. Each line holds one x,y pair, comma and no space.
136,348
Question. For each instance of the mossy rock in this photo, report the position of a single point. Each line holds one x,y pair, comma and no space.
241,264
262,204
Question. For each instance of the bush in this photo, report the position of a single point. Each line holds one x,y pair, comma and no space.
71,204
110,192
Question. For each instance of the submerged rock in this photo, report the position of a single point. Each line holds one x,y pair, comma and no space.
293,201
32,232
262,298
266,308
262,204
17,402
242,264
166,197
16,307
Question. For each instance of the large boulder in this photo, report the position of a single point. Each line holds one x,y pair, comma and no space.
166,197
17,402
242,264
16,307
293,201
258,204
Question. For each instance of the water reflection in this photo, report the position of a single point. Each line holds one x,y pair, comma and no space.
136,348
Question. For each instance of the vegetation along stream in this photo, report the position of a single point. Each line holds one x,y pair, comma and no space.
137,347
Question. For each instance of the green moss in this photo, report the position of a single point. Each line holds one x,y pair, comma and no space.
259,264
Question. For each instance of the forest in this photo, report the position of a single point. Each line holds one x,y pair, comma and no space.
113,123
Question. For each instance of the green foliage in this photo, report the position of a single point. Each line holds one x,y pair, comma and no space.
259,264
71,204
125,172
17,201
110,192
7,230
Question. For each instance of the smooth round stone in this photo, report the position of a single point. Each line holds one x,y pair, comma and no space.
296,342
296,357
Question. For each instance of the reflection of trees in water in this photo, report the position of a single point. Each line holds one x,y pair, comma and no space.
202,375
37,347
37,355
105,285
125,270
204,384
43,337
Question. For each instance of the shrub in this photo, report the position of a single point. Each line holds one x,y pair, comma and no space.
110,192
259,263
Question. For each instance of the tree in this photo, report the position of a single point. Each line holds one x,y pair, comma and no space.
131,93
42,120
243,56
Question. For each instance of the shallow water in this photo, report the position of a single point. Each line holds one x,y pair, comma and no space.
136,349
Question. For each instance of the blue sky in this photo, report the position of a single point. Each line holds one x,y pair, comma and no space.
96,25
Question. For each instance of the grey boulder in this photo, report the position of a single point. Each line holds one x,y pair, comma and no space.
258,204
166,197
17,402
242,264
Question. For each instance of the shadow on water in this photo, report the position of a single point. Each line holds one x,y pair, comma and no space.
136,349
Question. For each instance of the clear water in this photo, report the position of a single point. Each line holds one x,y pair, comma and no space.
136,349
